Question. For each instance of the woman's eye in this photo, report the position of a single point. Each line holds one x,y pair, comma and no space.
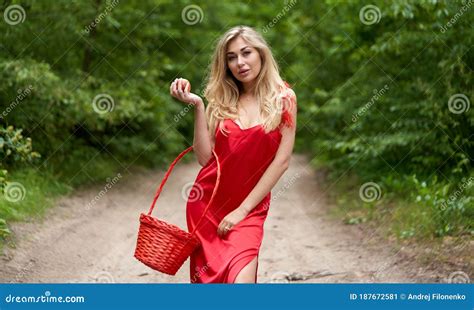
246,53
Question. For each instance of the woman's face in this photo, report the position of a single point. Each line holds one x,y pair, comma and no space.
243,60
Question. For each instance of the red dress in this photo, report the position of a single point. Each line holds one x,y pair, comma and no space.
244,155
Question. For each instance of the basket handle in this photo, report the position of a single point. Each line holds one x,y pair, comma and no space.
165,178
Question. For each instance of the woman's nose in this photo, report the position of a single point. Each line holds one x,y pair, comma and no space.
240,61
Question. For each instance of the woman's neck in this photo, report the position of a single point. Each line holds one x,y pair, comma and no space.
248,88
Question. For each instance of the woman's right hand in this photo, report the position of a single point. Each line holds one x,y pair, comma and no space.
180,89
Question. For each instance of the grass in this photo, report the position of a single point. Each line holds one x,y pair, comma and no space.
409,216
34,189
410,210
30,195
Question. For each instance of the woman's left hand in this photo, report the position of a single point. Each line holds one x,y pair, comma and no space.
230,220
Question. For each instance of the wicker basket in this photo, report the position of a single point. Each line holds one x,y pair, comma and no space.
163,246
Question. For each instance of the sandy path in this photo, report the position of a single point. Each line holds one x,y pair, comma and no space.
302,243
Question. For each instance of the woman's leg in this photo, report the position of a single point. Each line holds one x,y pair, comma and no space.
248,274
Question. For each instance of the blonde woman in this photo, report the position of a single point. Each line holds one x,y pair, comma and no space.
250,123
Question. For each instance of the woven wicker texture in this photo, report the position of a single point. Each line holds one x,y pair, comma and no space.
163,246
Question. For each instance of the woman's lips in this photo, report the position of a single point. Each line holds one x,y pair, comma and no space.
244,72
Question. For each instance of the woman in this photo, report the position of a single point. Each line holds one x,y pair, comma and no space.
251,114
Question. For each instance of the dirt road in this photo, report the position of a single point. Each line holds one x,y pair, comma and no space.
77,243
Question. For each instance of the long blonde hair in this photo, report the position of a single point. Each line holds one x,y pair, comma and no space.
223,89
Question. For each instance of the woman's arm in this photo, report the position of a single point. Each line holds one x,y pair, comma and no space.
203,142
274,171
270,177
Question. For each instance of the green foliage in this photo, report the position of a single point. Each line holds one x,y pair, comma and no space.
373,98
433,207
383,113
391,113
35,198
13,148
